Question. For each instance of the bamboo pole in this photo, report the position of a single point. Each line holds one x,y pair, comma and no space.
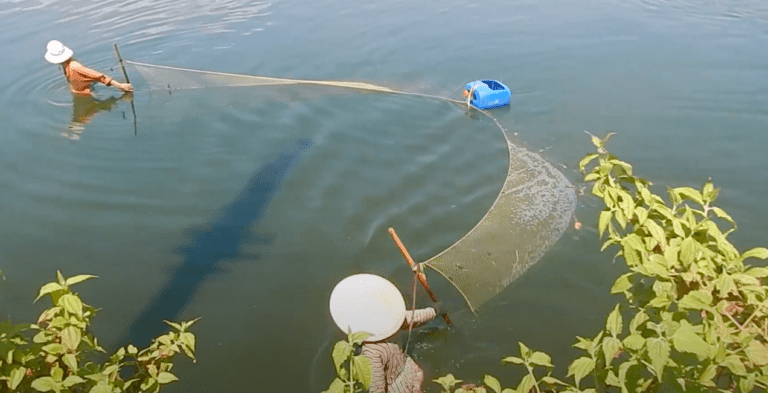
419,274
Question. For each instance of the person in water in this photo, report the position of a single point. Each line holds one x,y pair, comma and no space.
372,304
80,77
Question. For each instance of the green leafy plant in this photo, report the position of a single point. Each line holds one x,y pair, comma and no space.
54,353
696,311
353,371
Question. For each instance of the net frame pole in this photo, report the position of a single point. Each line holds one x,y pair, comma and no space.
125,74
417,271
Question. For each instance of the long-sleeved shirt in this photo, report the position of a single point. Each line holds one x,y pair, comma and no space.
391,372
81,77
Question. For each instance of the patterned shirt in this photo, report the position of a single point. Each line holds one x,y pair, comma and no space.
391,370
81,78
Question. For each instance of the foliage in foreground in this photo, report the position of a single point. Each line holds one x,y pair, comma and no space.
696,311
54,353
695,317
353,370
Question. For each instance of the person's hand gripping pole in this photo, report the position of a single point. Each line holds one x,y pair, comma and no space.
417,270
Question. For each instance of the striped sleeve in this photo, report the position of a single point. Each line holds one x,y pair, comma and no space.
378,354
418,317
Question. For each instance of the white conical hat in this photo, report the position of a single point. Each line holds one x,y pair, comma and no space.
57,53
367,303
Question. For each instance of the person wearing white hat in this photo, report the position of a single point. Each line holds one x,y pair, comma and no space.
372,304
80,78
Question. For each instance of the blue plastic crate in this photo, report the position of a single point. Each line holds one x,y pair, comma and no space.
489,94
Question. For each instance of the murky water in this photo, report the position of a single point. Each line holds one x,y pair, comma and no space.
245,206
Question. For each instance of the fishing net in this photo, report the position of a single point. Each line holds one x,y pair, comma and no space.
530,214
166,77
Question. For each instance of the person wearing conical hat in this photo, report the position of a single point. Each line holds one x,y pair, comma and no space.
80,77
372,304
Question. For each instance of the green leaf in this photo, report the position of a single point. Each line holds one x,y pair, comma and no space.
44,384
492,383
722,214
584,161
165,377
734,364
447,382
76,279
361,370
552,380
16,376
541,359
70,360
580,368
49,288
637,320
725,285
72,380
634,342
656,232
614,323
72,304
337,386
57,373
104,388
513,359
685,339
622,283
758,252
611,347
706,376
747,383
603,221
341,351
54,349
757,353
690,193
526,384
696,300
358,337
70,338
524,351
658,351
687,251
612,380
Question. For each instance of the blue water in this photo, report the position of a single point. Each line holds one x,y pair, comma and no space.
184,218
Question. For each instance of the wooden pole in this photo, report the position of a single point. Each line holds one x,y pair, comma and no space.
125,74
419,274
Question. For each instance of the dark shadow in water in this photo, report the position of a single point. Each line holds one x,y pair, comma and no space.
219,240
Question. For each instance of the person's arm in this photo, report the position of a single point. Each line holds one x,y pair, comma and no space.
376,354
418,317
98,76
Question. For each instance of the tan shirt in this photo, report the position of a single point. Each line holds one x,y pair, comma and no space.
81,77
390,371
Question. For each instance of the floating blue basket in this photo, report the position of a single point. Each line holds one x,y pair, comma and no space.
489,94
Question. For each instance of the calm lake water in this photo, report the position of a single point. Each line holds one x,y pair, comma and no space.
308,182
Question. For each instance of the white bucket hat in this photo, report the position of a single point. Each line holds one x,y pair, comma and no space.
57,53
367,303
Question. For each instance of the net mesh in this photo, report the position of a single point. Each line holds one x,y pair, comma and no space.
166,77
530,214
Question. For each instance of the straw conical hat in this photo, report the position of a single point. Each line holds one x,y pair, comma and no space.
367,303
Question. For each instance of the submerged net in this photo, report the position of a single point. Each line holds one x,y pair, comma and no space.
530,214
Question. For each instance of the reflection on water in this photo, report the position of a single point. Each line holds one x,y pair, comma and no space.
208,247
85,107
